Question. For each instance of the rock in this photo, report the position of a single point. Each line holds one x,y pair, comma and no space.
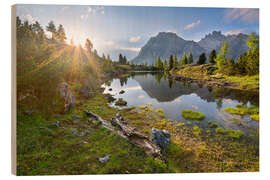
110,98
160,137
85,91
57,124
76,117
118,115
121,118
115,123
122,92
104,159
82,134
66,94
121,102
29,112
57,115
212,125
74,132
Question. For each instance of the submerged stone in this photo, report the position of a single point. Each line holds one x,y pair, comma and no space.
122,92
121,102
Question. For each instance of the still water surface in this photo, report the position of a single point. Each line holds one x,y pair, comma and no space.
174,96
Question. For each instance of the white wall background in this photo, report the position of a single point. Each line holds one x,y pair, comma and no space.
5,85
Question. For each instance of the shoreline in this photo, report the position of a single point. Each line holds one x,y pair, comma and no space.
192,75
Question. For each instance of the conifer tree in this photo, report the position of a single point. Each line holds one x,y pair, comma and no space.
171,62
212,56
190,58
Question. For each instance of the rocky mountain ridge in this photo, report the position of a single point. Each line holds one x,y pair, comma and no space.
168,43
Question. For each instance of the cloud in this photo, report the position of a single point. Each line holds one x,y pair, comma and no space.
237,31
141,96
133,88
96,9
109,43
65,8
134,39
89,9
131,49
172,31
195,107
84,16
178,99
192,25
29,18
48,34
244,14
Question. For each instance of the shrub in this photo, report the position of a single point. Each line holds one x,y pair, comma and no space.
193,115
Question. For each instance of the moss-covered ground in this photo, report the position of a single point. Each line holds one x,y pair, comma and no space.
71,143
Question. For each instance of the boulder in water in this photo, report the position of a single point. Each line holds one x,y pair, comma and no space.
122,92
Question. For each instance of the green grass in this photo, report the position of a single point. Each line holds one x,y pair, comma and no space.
235,134
193,115
245,82
160,112
243,110
255,117
45,149
220,130
212,124
237,110
125,67
206,70
196,130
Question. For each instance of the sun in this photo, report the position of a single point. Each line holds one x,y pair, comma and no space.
77,40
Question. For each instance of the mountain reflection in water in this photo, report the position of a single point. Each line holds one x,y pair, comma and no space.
174,96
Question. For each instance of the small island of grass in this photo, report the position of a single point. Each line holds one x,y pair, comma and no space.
255,117
243,110
192,115
160,112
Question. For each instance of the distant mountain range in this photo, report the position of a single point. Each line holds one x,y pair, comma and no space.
168,43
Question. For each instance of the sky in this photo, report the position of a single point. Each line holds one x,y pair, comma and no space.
125,29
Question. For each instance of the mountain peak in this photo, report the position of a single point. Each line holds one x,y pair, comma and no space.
165,44
167,34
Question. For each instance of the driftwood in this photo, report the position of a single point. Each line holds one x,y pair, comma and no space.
124,130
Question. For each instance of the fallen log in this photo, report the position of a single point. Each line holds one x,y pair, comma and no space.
124,130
